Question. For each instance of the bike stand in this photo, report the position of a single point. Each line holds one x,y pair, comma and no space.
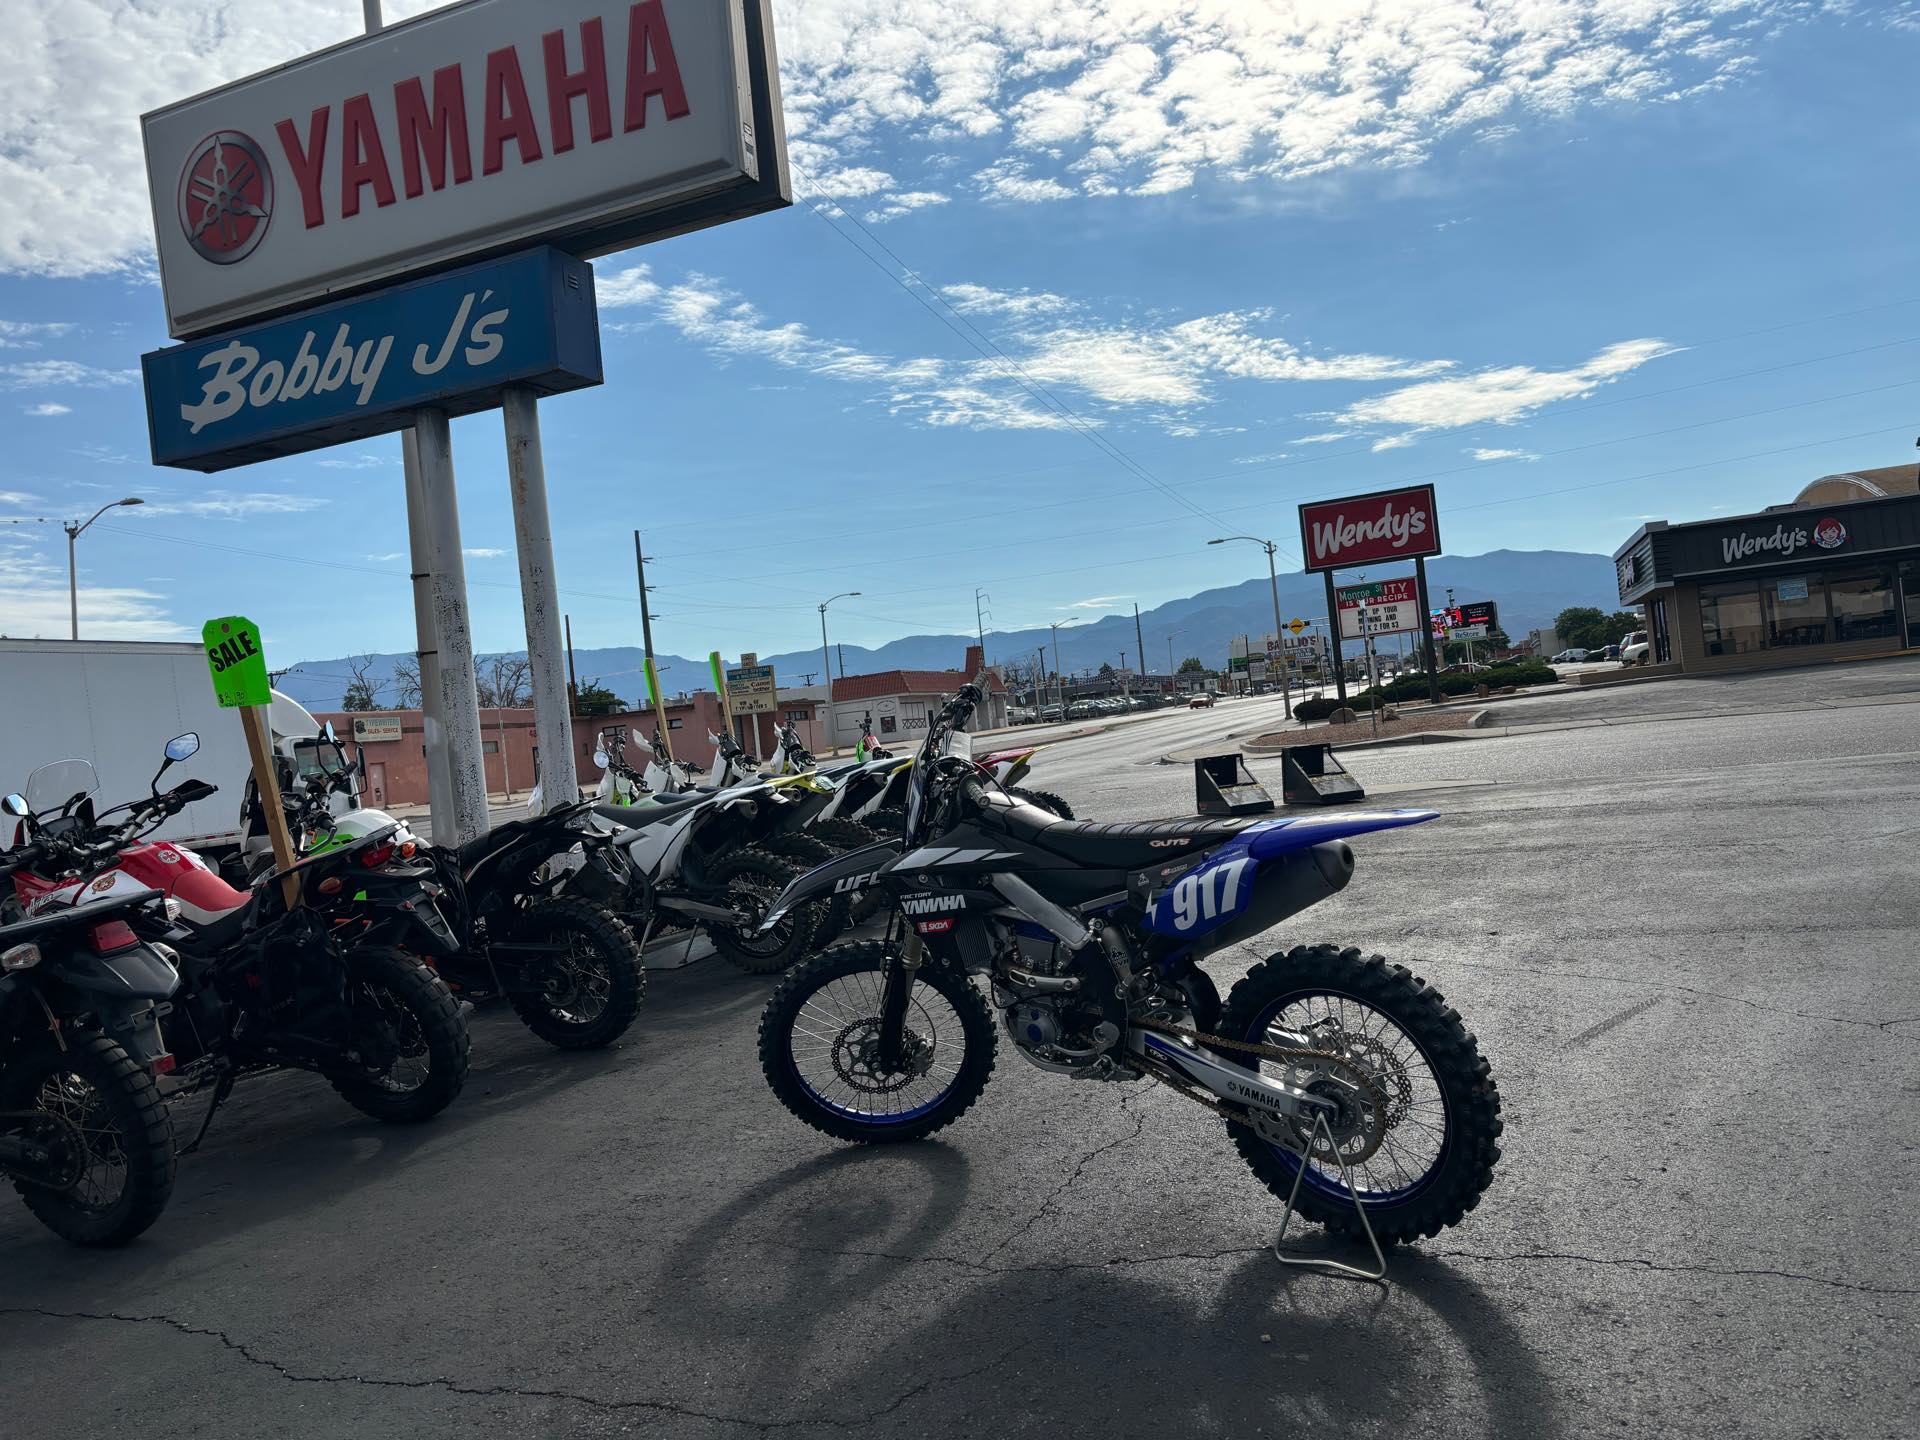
1320,1128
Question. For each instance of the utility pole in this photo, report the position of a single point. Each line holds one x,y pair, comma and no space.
1059,675
573,680
646,638
1273,580
826,656
1139,641
980,623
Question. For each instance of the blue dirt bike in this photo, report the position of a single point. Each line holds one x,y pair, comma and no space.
1088,938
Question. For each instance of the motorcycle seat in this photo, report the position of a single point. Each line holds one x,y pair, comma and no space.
1127,845
646,812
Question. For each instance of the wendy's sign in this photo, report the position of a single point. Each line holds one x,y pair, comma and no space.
1370,529
472,130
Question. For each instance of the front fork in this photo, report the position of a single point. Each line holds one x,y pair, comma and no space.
903,966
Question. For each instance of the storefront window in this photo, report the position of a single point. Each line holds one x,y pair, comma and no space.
1910,582
1730,621
1796,611
1864,606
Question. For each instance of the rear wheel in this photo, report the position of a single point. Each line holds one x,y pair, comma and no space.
1422,1151
1045,799
819,1047
586,995
409,1039
100,1120
752,880
844,834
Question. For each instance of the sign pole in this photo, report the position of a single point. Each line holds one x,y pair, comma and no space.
1426,629
459,686
540,599
237,661
1333,637
427,635
266,780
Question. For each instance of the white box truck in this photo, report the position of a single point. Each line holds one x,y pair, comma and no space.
116,704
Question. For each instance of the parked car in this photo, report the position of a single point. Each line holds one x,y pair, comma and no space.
1202,701
1571,657
1610,652
1635,649
1466,667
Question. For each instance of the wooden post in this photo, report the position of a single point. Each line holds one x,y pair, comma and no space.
266,779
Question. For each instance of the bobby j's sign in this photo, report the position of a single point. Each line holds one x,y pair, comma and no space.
360,367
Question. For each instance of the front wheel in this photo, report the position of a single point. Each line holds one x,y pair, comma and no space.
408,1038
1422,1150
586,993
98,1118
819,1047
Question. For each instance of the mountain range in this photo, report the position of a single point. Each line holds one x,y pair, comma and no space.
1531,587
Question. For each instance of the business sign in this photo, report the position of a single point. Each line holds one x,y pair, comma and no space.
237,661
361,367
750,690
1468,632
1369,529
473,130
378,731
1385,607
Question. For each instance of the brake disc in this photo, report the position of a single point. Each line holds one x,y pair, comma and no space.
856,1059
66,1148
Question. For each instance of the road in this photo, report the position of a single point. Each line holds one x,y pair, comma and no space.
1685,944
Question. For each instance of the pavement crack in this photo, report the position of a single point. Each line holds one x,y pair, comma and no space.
446,1386
1638,1263
1047,1205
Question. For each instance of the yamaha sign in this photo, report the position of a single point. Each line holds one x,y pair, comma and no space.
476,129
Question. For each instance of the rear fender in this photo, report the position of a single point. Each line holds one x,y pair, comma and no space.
1272,839
855,870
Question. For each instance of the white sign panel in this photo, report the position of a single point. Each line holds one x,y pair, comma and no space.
1360,621
478,128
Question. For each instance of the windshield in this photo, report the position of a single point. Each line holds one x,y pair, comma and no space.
313,757
52,787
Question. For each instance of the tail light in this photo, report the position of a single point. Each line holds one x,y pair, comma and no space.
165,1065
114,936
376,857
409,849
21,957
331,885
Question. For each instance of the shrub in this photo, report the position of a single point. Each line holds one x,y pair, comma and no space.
1308,711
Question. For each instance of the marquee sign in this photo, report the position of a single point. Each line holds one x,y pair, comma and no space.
1369,529
359,368
475,129
1385,607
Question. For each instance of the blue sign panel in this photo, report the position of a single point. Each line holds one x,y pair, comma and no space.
361,367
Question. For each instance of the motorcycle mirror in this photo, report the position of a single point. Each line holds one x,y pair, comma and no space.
183,747
16,805
601,759
326,733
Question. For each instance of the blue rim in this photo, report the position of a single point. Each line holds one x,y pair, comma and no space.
867,1117
1329,1185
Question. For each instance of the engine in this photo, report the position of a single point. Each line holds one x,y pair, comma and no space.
1060,1010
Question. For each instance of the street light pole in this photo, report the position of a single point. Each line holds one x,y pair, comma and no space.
826,656
1273,579
74,532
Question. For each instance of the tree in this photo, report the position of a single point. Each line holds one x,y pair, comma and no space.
406,684
593,698
1577,626
1193,665
362,693
503,685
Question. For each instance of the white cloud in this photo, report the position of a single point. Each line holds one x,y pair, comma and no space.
45,374
483,554
905,203
1093,366
1501,395
231,505
389,557
1392,442
27,334
361,460
33,602
1074,96
1105,96
11,498
1098,602
1021,304
48,410
1480,454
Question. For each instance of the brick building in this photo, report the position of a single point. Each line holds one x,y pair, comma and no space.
902,701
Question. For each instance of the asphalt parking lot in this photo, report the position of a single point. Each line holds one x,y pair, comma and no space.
1686,947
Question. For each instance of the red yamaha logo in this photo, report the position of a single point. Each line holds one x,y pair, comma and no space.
226,197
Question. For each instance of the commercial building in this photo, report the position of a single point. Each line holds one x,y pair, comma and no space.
1835,575
902,701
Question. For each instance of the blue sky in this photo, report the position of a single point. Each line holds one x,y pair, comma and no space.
1073,288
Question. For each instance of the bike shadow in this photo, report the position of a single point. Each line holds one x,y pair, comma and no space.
858,1316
